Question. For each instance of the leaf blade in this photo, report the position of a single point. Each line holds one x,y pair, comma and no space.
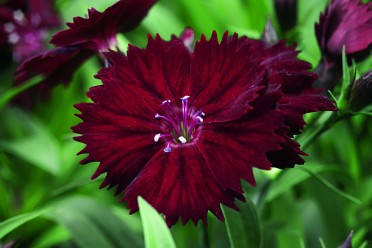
157,235
244,227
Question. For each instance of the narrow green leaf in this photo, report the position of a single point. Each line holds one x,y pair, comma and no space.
244,227
290,178
12,92
322,244
345,71
155,230
332,187
362,113
39,147
93,224
52,237
10,224
347,81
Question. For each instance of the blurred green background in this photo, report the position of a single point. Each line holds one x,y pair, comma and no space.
48,200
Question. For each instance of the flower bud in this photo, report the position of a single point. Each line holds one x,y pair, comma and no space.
361,92
347,243
269,35
286,12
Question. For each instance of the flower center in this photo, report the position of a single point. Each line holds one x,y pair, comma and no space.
181,123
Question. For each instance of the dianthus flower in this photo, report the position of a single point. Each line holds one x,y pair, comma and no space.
344,23
24,25
181,128
83,38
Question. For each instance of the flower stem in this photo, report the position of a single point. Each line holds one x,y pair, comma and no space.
309,139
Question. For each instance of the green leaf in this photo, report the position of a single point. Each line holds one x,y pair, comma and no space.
52,237
347,82
155,230
14,91
244,227
39,147
332,187
10,224
93,224
290,178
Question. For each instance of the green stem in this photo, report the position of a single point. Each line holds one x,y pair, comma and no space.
6,97
309,139
332,187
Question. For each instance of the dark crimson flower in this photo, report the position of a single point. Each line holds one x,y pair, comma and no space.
344,23
182,129
24,25
84,38
286,12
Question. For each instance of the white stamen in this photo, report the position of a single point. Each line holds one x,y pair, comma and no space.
182,139
13,38
157,115
167,149
18,15
199,118
166,101
185,97
202,113
157,137
9,27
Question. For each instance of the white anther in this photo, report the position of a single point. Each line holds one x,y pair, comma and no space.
167,149
157,116
9,27
185,97
13,38
157,137
202,113
182,139
199,118
166,101
18,15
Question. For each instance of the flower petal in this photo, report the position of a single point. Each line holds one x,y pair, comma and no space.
179,184
233,149
290,153
163,68
98,30
122,144
226,76
57,66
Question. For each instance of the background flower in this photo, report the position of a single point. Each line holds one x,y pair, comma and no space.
345,23
84,38
25,24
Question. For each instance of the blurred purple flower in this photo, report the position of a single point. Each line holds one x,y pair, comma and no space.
24,25
83,38
182,129
344,23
